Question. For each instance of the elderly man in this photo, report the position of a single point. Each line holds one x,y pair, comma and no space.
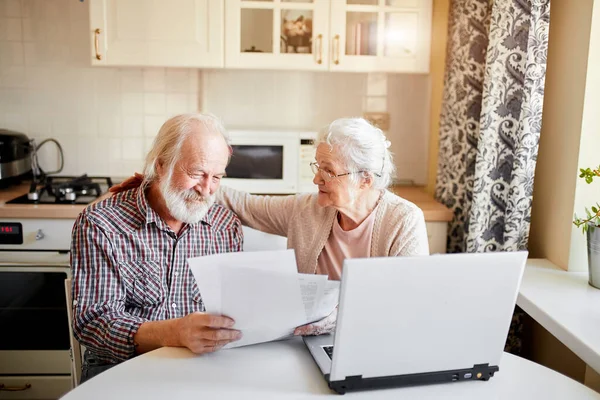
132,289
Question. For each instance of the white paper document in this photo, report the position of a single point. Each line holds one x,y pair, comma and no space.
320,296
263,293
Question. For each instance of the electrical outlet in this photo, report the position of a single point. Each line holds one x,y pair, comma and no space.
379,119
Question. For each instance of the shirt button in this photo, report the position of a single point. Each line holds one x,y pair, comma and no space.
75,302
176,273
174,305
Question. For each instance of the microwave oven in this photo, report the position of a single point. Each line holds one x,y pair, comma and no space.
271,162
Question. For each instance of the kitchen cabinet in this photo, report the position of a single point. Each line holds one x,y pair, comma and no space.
336,35
277,34
380,35
174,33
332,35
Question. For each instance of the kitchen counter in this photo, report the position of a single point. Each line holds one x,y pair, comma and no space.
433,210
51,211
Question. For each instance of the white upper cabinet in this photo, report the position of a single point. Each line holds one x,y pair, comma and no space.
333,35
336,35
380,35
175,33
277,34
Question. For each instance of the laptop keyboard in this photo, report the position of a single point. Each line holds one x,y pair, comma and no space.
329,351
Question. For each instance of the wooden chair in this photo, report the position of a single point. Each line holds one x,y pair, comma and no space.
75,347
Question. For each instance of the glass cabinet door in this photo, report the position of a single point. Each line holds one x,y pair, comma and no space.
282,34
380,35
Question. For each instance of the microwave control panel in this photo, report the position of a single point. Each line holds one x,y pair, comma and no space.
307,156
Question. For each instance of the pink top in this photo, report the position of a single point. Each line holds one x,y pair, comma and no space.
342,244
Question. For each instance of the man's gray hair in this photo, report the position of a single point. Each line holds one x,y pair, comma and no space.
362,147
169,140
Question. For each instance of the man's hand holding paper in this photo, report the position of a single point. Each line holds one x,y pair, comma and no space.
265,295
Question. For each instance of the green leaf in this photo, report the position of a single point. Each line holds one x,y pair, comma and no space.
594,210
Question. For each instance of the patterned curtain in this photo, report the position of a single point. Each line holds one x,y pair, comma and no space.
491,120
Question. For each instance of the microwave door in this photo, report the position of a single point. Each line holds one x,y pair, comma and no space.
263,165
256,162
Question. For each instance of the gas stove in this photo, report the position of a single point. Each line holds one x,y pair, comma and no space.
65,190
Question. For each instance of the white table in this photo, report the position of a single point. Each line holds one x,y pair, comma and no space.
285,369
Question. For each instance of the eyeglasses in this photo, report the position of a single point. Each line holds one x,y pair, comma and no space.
328,176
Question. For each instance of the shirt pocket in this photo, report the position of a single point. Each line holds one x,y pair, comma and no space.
143,282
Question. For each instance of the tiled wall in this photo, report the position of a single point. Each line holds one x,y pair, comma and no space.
309,100
105,118
274,99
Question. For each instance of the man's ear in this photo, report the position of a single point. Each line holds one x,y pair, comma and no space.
160,166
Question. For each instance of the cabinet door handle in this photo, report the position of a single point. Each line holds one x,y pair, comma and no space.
320,49
96,45
14,388
336,46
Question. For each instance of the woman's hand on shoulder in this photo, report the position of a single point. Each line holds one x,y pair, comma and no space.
129,183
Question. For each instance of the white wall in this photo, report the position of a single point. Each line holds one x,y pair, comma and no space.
589,148
570,138
105,118
408,99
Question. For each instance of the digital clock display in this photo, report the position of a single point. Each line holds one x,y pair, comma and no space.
11,233
10,229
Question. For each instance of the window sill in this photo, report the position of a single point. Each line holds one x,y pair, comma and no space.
565,305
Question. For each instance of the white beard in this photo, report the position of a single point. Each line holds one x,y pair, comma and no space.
186,206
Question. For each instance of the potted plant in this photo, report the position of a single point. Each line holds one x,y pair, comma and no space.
590,226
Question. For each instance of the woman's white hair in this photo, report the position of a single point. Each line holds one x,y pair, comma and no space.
167,144
362,147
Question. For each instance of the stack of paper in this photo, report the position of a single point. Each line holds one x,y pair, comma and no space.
263,292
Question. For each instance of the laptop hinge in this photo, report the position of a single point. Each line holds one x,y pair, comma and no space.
482,372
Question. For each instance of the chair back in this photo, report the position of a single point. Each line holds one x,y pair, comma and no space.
75,347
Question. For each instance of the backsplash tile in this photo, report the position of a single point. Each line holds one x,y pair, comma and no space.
105,118
155,103
133,126
11,53
154,79
12,30
152,124
10,8
178,80
177,103
132,103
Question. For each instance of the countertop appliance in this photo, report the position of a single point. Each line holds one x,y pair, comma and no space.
271,162
15,154
34,263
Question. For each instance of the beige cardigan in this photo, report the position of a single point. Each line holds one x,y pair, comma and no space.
399,228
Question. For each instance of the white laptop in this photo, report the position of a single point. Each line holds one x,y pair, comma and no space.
417,320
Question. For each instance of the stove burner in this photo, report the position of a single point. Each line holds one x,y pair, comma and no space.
65,190
69,190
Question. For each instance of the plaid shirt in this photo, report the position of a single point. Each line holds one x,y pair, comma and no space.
129,267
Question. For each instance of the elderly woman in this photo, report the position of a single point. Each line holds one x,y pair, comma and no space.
352,215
